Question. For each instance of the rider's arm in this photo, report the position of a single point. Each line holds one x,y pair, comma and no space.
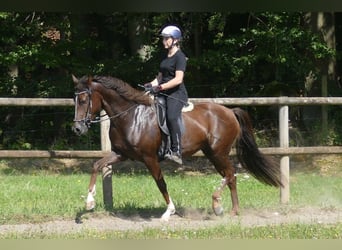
157,80
177,80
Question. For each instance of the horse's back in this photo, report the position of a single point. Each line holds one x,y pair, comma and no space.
207,112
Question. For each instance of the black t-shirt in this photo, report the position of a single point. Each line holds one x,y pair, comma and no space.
170,65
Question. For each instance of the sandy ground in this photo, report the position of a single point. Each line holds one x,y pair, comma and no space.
190,219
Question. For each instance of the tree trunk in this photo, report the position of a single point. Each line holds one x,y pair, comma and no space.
324,23
137,26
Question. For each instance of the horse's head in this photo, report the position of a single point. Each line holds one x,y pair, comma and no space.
86,107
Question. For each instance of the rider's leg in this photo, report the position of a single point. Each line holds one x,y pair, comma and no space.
174,112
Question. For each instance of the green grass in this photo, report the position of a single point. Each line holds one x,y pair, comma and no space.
291,231
38,196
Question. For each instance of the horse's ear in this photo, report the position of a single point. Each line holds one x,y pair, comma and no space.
74,79
90,79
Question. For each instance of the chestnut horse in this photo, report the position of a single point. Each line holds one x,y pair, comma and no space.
134,134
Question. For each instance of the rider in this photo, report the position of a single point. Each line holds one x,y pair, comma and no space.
169,82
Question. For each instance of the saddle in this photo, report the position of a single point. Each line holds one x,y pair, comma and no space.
160,106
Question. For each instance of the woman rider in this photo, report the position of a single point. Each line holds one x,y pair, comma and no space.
169,82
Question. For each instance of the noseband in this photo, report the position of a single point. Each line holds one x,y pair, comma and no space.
87,119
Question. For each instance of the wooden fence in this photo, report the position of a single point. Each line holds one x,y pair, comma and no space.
283,150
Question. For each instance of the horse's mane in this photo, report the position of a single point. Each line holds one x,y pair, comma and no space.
122,88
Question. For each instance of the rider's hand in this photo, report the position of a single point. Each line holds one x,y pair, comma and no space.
148,87
156,89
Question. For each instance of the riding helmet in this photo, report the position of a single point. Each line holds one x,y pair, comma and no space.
171,31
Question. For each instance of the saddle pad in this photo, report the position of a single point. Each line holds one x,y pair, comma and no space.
188,108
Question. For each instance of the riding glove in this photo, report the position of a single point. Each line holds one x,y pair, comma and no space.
148,87
152,89
156,89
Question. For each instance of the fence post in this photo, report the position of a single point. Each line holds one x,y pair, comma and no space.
284,160
107,172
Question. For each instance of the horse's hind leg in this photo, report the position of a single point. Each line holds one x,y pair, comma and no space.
225,168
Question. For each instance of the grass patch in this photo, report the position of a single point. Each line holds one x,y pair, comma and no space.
40,195
286,231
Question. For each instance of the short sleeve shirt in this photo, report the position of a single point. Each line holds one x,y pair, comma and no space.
170,65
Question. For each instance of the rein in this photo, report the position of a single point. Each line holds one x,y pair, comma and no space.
186,104
87,120
98,118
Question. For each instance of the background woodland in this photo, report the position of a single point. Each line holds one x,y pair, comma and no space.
264,54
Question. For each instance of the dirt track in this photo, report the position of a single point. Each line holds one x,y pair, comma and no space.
183,220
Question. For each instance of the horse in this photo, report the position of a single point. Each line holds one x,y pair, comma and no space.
135,134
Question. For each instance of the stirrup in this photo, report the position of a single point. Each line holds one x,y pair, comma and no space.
175,157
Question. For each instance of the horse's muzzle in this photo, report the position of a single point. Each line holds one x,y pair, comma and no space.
80,128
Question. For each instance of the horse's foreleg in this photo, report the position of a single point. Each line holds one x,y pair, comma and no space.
153,166
171,209
109,159
90,202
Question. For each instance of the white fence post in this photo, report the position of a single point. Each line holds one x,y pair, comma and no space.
107,172
284,160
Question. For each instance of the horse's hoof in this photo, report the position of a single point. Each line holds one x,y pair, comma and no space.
164,218
216,204
78,220
218,210
90,205
234,213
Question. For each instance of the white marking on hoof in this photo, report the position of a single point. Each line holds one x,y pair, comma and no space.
169,211
90,202
90,205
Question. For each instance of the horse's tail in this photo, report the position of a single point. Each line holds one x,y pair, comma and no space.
261,167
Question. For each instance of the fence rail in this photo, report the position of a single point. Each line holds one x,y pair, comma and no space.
283,150
250,101
101,153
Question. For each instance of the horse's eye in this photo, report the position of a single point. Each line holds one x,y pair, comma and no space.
82,101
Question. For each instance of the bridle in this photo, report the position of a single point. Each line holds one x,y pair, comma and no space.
87,119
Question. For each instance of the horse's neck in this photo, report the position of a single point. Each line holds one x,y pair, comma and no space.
116,107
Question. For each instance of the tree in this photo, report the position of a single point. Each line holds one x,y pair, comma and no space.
322,24
230,54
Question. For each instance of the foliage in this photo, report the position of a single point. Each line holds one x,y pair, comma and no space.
262,48
230,54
